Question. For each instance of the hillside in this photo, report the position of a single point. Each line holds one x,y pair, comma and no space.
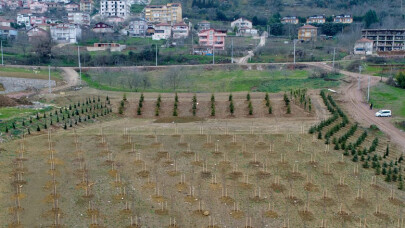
264,9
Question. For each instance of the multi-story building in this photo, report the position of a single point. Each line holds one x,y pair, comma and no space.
38,7
66,33
137,27
343,18
363,47
163,31
204,25
212,38
385,39
316,19
119,8
37,34
170,13
241,23
24,18
290,20
180,30
79,18
72,7
8,32
86,6
37,20
307,33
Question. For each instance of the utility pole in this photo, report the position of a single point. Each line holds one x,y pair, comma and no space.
49,79
80,65
213,54
232,51
2,58
294,50
368,89
156,55
334,53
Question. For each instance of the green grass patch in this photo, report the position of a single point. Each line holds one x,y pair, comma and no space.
12,112
384,96
199,79
38,73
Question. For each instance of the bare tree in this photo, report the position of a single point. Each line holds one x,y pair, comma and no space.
173,77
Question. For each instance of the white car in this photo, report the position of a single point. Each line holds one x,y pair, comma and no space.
383,113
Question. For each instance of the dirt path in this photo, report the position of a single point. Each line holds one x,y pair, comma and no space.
357,107
244,59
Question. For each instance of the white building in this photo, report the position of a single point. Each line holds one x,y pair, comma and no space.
79,18
363,47
163,31
180,30
241,23
24,18
119,8
137,27
66,33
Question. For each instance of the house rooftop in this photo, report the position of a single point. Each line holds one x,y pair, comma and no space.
308,26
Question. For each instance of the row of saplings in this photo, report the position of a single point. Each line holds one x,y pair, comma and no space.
392,171
69,115
302,99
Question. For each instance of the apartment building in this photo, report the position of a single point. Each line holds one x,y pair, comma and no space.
66,33
290,20
308,33
241,23
385,39
119,8
170,13
343,18
72,7
86,6
79,18
163,31
316,19
137,27
212,38
180,30
203,25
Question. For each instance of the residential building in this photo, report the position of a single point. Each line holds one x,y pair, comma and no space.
72,7
204,25
103,28
212,38
170,13
385,39
107,46
163,31
5,22
8,32
241,23
86,6
308,33
343,18
66,33
363,47
290,20
119,8
37,20
24,18
316,19
180,30
137,27
246,31
38,7
79,18
36,33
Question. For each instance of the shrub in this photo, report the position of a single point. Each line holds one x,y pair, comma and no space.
230,97
270,110
38,129
288,109
248,97
231,107
176,98
250,106
212,109
212,98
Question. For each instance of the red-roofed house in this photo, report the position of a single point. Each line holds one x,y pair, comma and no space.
308,33
212,38
38,7
5,22
103,28
363,46
36,33
163,31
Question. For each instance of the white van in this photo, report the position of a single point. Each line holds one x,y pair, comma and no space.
383,113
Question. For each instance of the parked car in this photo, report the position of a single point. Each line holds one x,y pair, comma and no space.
383,113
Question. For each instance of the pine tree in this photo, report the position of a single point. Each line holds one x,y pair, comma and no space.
248,97
388,178
212,109
176,98
401,185
231,107
230,97
38,129
270,109
250,106
45,126
6,129
212,98
65,126
124,97
319,135
288,109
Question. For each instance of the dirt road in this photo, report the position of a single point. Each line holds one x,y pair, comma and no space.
244,59
357,106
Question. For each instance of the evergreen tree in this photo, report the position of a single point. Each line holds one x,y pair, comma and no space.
38,129
230,97
65,126
6,129
248,97
231,107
